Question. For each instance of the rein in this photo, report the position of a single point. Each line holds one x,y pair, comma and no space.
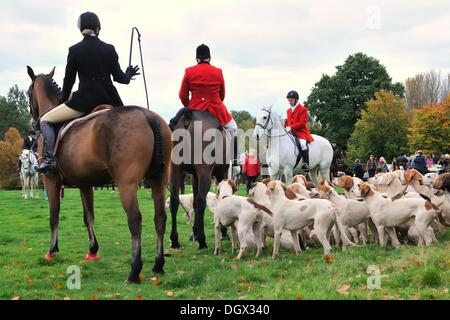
267,123
142,59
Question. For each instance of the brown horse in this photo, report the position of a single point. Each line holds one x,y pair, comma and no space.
202,171
126,145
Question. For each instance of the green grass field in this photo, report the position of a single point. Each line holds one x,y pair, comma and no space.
408,273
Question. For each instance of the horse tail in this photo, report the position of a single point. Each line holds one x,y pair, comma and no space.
157,164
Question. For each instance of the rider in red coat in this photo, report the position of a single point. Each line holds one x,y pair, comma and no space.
207,88
296,123
206,85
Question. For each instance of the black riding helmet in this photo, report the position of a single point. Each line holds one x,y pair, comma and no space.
89,20
292,94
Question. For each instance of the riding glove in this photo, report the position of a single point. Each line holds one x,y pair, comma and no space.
132,71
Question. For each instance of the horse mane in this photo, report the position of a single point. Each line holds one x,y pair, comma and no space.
52,89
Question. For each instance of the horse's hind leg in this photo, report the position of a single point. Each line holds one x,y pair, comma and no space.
128,197
159,194
87,199
53,187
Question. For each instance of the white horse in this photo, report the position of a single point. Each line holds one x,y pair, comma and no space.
29,177
281,153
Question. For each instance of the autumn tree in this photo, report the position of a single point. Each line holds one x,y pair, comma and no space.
426,88
339,99
382,129
430,128
10,149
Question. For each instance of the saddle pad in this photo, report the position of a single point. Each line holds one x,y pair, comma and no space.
69,125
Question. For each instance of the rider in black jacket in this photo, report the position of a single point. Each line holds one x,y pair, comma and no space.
95,62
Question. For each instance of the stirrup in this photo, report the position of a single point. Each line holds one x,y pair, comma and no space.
305,167
45,167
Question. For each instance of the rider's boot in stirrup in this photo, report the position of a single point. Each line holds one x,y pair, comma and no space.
305,156
48,133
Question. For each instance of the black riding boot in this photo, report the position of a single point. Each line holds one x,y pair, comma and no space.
48,132
305,156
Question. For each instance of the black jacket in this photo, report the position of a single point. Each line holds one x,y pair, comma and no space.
420,164
94,61
29,143
359,170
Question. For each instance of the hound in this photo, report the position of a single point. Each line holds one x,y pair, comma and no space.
294,215
388,214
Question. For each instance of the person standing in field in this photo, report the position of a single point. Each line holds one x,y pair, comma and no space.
251,168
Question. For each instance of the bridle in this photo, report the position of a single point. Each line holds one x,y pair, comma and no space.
268,119
264,127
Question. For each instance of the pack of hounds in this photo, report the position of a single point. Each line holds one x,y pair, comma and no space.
394,207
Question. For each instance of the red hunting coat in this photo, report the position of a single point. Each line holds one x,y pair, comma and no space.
207,88
298,121
251,166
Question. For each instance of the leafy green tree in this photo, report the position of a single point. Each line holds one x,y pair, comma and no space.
339,99
382,129
244,119
14,111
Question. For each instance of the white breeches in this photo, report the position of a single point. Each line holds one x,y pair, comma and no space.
303,144
231,126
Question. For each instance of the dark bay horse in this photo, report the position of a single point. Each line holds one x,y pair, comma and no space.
194,163
126,145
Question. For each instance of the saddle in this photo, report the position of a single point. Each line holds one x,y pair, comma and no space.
64,127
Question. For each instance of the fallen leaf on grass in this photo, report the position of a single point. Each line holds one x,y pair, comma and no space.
298,298
344,289
234,266
417,262
248,286
138,297
94,298
168,293
329,258
156,281
15,298
58,286
29,281
100,289
142,277
445,290
66,298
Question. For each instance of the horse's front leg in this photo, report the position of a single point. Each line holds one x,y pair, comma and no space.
174,204
204,183
87,199
53,186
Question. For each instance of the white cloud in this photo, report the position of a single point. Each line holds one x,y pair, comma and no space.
265,48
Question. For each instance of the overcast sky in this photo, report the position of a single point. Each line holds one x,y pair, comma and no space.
265,48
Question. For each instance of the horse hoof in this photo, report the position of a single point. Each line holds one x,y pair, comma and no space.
202,246
175,246
134,280
158,270
91,256
48,256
